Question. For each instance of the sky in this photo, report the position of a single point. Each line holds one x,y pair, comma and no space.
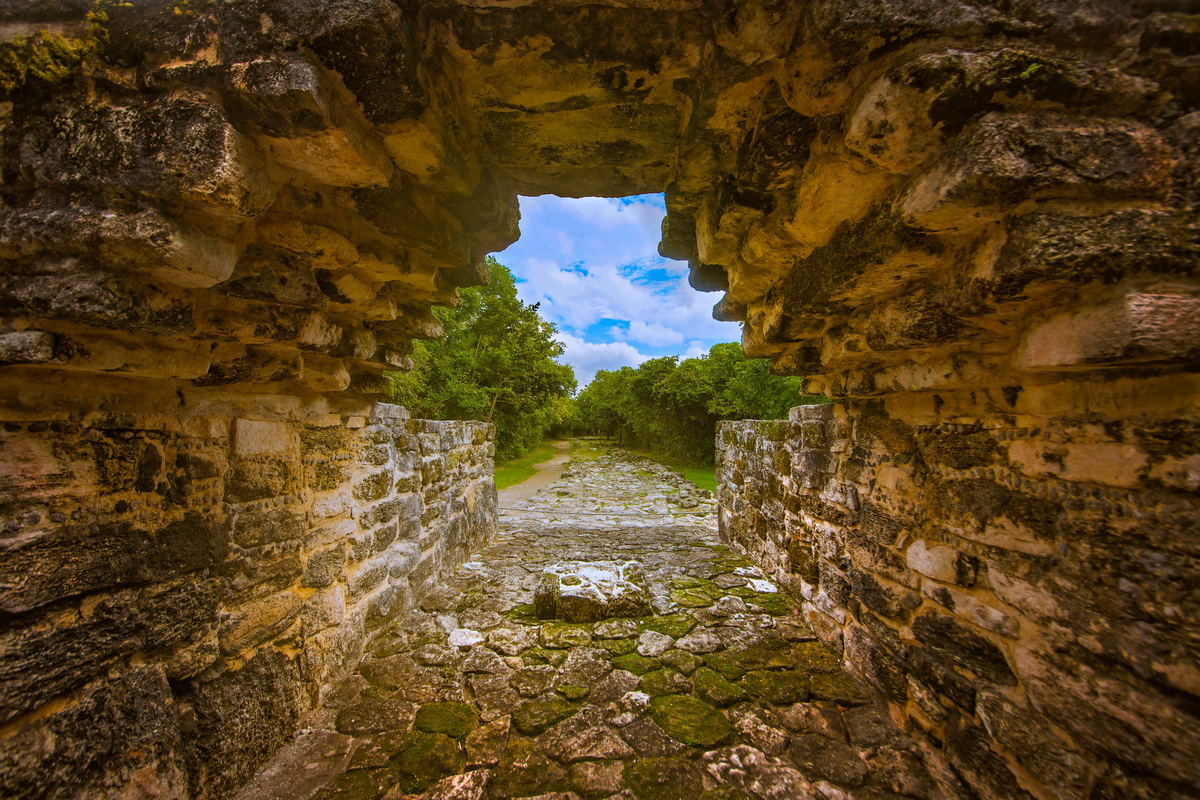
593,265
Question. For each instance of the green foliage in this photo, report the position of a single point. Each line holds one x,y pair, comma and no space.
671,408
47,56
495,363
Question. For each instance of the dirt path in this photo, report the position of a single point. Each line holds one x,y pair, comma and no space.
547,473
671,670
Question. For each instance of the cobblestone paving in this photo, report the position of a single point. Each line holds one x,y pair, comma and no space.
721,693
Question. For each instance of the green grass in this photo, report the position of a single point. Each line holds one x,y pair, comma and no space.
704,477
584,450
517,470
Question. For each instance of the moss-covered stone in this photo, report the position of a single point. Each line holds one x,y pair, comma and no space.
725,665
432,757
524,613
572,692
681,660
618,647
358,784
535,656
563,636
773,604
690,721
815,657
525,771
663,681
636,663
535,716
452,718
673,625
725,793
780,688
713,687
839,687
764,655
691,598
663,779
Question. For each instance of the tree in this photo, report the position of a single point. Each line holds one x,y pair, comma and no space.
495,362
671,407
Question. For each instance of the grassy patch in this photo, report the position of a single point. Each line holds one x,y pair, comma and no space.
704,477
585,450
512,472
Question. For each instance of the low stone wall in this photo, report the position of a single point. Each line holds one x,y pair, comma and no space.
1018,587
177,592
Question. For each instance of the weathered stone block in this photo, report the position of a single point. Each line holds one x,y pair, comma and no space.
591,591
77,559
324,567
259,621
962,647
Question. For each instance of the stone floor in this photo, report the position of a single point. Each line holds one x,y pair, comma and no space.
722,692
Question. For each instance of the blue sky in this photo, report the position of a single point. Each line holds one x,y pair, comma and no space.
593,265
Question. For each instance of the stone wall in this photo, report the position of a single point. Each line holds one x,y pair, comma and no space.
972,224
177,592
1018,586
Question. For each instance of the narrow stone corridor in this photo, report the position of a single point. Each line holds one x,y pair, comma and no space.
697,680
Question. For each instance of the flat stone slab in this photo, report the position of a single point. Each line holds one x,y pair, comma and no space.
715,688
590,591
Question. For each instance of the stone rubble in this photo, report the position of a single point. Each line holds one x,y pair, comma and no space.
722,692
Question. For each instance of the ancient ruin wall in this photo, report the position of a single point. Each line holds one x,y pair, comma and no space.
1018,587
978,215
179,591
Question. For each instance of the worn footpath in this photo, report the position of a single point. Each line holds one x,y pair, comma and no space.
605,646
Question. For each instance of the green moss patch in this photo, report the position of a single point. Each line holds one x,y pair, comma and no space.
663,779
452,718
431,758
690,721
662,681
681,660
779,688
713,687
636,663
816,657
673,625
618,647
724,664
536,656
572,692
535,716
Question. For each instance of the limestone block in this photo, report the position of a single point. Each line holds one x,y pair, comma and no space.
578,591
1004,159
945,564
903,118
306,122
27,347
328,248
324,374
252,365
145,241
256,437
971,608
259,621
1162,325
181,148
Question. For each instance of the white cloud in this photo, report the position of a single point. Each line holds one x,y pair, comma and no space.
652,333
588,357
